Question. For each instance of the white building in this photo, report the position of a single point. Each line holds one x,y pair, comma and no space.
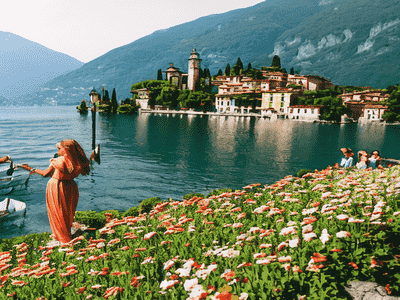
373,113
304,112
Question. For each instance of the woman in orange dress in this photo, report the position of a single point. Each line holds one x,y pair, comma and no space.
62,192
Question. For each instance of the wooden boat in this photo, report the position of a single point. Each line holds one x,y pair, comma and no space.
9,182
12,207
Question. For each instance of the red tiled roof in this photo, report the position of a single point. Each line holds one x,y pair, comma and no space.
377,106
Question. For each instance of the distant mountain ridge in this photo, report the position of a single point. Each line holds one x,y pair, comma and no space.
27,65
350,43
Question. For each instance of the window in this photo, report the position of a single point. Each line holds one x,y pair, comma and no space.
270,105
282,104
272,98
312,111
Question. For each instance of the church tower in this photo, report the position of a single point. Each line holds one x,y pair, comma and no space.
194,69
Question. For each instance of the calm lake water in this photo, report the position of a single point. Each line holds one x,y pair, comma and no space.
151,155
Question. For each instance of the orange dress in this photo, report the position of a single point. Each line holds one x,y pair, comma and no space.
62,199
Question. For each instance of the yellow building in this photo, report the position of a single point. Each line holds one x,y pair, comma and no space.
278,100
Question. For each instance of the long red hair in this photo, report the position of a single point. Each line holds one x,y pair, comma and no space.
75,157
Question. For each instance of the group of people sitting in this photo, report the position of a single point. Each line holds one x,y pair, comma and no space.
365,160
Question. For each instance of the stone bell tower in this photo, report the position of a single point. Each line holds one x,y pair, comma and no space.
194,69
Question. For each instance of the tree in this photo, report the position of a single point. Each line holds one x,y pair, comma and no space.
276,62
106,98
201,73
228,70
219,72
206,73
393,103
291,71
159,75
114,103
249,67
239,63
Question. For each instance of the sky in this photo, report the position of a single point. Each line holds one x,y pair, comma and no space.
87,29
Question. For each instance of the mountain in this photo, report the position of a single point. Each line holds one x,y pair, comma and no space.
27,65
349,42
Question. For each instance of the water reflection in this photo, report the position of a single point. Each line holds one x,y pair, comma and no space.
169,156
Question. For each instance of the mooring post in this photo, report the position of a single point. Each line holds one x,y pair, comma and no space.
94,126
93,98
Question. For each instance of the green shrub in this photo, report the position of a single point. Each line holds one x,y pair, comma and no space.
91,218
145,206
303,172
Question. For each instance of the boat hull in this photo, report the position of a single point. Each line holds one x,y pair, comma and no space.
11,207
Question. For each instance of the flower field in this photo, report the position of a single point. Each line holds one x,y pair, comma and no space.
300,238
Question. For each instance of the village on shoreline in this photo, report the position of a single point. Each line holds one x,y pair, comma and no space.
270,92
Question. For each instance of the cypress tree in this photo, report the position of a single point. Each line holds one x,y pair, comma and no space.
159,75
249,67
227,70
239,63
201,73
276,62
291,71
106,98
219,73
114,103
207,73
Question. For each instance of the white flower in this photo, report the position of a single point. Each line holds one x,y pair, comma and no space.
230,253
167,283
293,243
190,283
342,234
342,217
183,272
324,236
308,236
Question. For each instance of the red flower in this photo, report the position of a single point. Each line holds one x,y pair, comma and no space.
353,265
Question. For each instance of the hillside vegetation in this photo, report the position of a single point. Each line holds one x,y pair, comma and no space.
350,43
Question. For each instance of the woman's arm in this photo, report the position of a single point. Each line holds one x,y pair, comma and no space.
45,173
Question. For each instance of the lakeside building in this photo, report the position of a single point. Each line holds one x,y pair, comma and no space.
177,77
305,112
185,80
373,112
365,105
310,82
143,97
278,100
194,69
364,96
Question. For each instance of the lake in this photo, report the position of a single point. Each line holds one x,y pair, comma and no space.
169,156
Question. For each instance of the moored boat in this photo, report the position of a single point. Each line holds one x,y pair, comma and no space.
12,207
11,178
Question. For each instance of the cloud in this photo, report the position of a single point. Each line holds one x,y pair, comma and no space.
295,41
325,2
375,31
278,49
306,50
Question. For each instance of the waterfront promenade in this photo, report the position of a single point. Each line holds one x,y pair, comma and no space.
192,112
